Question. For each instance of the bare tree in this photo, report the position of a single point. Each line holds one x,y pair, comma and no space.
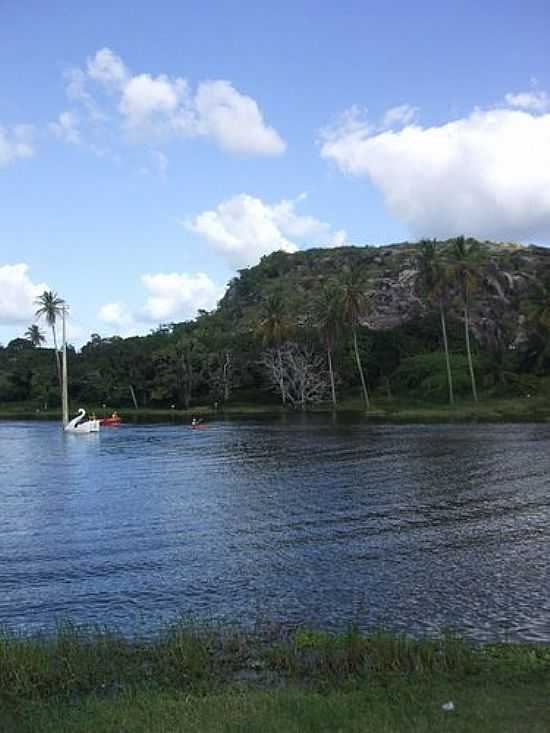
300,370
221,374
275,327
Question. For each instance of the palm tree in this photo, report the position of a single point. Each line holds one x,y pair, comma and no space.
35,335
538,317
434,278
275,327
51,306
353,303
328,323
539,310
464,271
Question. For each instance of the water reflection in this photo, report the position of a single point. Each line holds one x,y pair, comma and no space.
306,520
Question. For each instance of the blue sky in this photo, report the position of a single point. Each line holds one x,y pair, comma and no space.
147,152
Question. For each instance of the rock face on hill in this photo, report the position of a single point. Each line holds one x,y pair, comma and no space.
510,276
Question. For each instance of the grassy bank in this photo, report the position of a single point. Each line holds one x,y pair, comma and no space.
192,679
520,409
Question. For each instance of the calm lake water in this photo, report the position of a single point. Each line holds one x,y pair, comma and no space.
416,528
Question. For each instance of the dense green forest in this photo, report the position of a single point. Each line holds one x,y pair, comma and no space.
437,321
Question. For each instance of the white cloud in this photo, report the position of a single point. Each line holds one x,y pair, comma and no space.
18,294
174,296
486,175
234,120
399,116
169,297
244,228
538,101
115,314
107,68
337,239
15,143
148,104
67,127
151,106
76,90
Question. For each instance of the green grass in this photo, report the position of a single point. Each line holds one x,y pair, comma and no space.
518,409
398,706
192,678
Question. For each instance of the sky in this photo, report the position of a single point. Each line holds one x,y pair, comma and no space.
148,151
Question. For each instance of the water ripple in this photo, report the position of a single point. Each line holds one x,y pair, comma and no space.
418,528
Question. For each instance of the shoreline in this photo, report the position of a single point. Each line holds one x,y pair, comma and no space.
212,679
519,410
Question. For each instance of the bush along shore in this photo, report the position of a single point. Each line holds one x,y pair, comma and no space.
197,678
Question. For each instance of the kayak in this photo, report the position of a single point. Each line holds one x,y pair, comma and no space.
110,421
200,426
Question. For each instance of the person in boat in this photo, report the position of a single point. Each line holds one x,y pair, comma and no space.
114,416
194,422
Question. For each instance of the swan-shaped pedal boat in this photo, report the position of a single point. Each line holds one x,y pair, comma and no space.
77,426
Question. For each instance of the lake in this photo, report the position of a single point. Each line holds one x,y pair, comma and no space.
300,520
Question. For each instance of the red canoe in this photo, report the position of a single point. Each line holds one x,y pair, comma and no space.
110,421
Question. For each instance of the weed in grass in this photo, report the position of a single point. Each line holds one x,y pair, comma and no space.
75,662
319,654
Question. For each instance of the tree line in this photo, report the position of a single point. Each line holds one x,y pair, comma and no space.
324,352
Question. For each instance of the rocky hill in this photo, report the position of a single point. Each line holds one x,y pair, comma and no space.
511,276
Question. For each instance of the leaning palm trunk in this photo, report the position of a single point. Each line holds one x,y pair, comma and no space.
469,351
225,373
331,374
360,369
56,355
446,347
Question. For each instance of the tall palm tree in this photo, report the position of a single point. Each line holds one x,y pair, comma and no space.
464,271
353,303
328,322
539,310
434,278
538,317
275,327
51,307
35,335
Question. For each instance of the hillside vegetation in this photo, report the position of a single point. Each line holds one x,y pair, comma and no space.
325,325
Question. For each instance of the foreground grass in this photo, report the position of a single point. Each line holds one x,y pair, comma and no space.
381,708
197,679
518,409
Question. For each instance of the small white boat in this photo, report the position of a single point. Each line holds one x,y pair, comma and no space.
77,426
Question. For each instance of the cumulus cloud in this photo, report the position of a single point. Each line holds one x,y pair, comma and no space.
108,68
168,297
244,228
116,314
175,295
160,106
149,104
76,90
485,175
15,143
18,294
66,127
538,101
234,120
399,116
